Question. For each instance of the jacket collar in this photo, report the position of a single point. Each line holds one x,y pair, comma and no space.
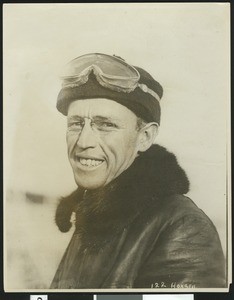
99,213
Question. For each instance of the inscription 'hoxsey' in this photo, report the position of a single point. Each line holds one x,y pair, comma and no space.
173,285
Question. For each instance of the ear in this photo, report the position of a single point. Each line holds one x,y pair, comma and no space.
147,136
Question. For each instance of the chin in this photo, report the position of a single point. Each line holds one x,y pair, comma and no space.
89,184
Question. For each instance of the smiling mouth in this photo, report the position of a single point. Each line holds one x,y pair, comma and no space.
88,162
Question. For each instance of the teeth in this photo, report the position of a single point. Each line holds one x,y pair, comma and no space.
90,162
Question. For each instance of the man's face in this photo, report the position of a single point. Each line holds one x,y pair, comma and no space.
102,140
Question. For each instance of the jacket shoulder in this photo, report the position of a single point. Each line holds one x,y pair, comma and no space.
177,206
185,248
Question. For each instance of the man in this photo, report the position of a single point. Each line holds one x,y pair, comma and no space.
134,226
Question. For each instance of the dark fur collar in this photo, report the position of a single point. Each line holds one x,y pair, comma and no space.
100,213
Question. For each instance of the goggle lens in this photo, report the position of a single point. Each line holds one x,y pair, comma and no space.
109,65
110,69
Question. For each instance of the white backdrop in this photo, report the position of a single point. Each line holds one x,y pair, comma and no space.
184,46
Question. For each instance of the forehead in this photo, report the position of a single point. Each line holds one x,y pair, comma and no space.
100,107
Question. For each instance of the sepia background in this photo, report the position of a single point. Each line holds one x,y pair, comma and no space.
184,46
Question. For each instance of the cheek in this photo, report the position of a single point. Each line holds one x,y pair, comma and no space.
71,142
121,146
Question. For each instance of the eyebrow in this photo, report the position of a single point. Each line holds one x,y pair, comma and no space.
97,117
75,117
102,118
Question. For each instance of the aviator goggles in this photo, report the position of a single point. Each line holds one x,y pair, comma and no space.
110,71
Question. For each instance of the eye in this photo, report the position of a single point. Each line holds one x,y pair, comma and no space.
103,125
75,125
108,124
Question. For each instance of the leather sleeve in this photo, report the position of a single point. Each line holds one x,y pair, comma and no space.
187,254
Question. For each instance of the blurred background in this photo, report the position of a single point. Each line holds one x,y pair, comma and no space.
184,46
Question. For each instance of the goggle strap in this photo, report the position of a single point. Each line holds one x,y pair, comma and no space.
146,89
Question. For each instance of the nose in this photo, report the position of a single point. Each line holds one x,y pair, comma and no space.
87,137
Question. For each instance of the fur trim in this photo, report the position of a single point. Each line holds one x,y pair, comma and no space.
65,208
101,213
